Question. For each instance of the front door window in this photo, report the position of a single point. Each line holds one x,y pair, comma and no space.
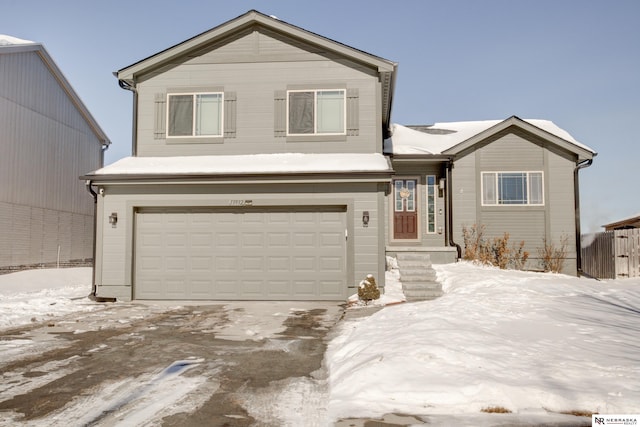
405,218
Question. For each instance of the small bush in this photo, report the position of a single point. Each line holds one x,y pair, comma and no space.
368,289
495,252
552,256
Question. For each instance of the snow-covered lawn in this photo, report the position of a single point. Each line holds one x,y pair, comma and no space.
36,295
527,342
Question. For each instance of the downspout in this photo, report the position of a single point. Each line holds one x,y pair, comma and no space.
449,212
127,86
89,183
576,189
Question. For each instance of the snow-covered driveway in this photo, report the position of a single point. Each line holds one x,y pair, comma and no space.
140,364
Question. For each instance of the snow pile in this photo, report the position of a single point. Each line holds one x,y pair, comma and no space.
528,342
251,163
444,136
6,40
37,295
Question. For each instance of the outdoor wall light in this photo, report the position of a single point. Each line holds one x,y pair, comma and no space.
365,218
113,219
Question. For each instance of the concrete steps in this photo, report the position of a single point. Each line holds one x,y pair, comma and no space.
418,277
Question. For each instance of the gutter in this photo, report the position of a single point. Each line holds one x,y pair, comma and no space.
449,210
89,183
92,296
576,189
131,87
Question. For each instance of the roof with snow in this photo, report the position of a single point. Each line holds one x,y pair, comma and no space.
6,40
280,163
451,138
11,45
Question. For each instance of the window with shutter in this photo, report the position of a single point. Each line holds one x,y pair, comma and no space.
185,115
327,112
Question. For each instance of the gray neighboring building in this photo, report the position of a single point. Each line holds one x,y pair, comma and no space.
265,166
47,139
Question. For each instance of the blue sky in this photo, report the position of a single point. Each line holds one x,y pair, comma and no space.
575,62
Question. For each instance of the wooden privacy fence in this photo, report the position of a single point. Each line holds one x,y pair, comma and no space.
611,254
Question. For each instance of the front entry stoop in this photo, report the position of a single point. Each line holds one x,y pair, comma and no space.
418,277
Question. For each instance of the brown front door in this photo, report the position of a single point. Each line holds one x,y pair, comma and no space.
405,209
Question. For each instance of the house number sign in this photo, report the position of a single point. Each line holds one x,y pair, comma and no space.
240,202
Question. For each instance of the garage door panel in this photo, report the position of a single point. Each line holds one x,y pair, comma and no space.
302,264
278,239
252,264
331,240
226,264
276,253
278,288
304,240
175,263
279,264
228,239
253,240
202,239
202,264
330,264
150,263
330,287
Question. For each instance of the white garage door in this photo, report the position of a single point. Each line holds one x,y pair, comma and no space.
248,253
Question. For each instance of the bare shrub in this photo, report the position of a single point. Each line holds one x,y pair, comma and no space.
500,251
473,241
495,252
519,256
552,255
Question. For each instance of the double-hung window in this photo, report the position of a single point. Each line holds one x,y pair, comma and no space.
512,188
195,114
316,112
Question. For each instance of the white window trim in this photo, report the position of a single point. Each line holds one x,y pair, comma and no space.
315,115
193,125
528,173
405,202
435,205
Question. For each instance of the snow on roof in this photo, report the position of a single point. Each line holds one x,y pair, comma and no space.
6,40
249,164
443,136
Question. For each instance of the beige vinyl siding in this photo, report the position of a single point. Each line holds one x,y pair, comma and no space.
254,67
518,151
511,152
561,202
115,254
46,145
465,194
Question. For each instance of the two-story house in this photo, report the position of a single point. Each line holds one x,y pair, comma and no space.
265,166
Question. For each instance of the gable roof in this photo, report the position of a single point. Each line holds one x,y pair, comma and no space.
385,68
11,45
449,139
